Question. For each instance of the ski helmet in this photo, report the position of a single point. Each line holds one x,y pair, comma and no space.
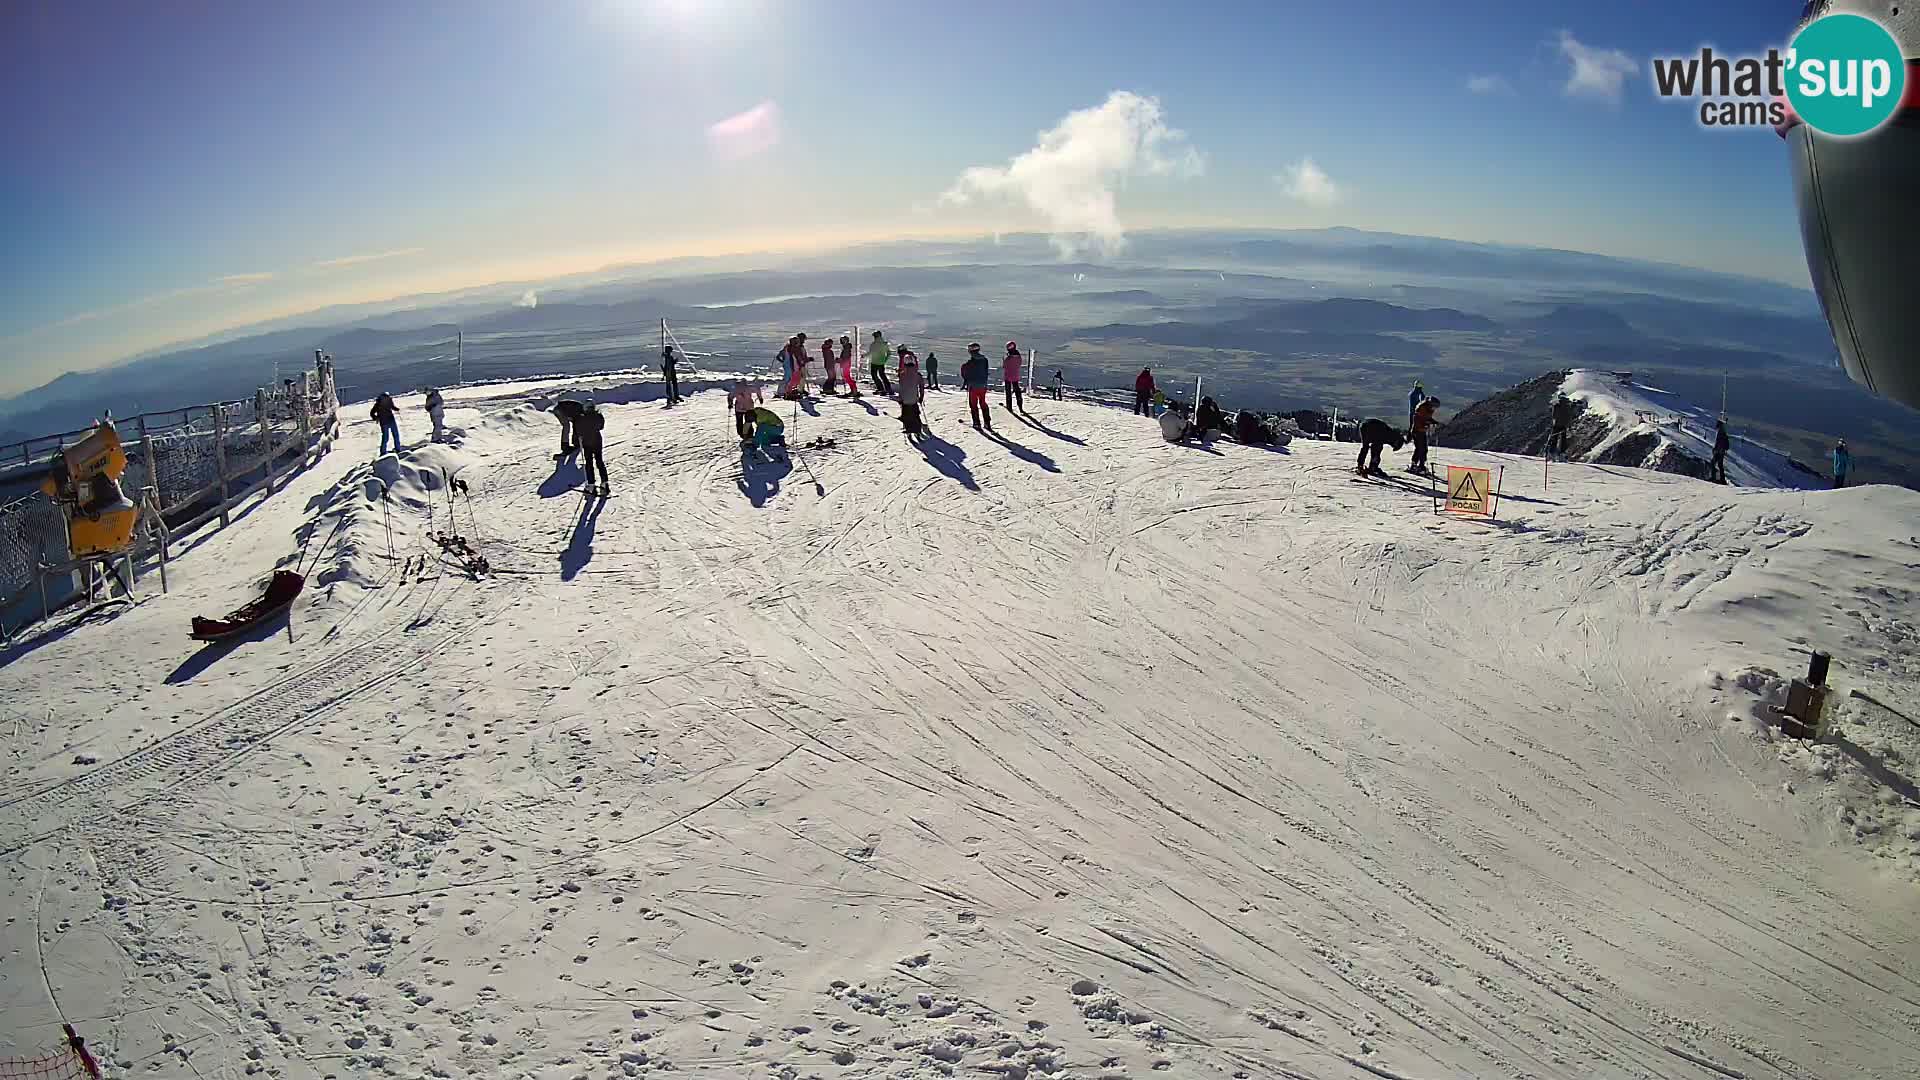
1011,347
973,346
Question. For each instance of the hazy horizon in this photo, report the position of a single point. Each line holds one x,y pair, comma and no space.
182,173
459,286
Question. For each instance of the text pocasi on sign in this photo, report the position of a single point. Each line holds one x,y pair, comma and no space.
1469,491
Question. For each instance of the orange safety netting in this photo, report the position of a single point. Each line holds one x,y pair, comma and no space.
63,1064
70,1062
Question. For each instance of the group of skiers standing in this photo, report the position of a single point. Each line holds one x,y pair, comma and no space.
1376,435
387,415
908,385
1722,442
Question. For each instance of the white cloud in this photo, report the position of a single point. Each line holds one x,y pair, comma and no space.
528,299
244,279
1071,175
1489,84
355,260
746,134
1597,73
1308,182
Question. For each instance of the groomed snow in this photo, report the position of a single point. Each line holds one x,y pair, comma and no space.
1634,409
1062,753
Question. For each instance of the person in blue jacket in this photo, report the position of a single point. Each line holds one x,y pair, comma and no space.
1414,398
1842,463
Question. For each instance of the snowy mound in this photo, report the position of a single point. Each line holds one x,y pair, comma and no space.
1676,436
1050,751
1619,422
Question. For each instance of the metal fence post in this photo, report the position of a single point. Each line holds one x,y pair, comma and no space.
220,458
306,406
157,528
263,406
146,450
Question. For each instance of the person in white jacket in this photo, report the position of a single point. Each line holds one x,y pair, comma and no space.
437,412
1173,425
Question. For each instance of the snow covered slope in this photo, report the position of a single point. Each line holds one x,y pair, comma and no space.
1063,752
1620,423
1633,411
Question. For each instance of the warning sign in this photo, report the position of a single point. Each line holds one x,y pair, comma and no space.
1469,491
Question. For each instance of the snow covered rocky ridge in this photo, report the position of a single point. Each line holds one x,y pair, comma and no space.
1062,753
1619,422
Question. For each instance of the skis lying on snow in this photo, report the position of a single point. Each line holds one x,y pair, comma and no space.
470,560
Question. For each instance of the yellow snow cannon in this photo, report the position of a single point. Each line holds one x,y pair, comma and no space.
85,481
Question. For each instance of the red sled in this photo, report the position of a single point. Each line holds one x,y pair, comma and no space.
280,595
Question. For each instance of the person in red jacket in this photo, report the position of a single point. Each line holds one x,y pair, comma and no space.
1423,425
1142,391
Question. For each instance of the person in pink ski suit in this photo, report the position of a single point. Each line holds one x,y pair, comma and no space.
846,366
1011,369
744,396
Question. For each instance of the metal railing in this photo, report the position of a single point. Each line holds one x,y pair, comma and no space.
191,465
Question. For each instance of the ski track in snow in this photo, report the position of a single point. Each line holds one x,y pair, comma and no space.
1062,752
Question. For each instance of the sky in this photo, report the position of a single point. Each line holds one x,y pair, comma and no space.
168,171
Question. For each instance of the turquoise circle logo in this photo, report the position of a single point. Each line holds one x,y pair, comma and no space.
1846,74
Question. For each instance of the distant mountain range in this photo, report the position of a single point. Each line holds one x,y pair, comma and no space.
1333,316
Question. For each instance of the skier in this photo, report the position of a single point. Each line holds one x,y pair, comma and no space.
1374,435
587,432
1059,384
877,362
1414,397
1842,463
1010,370
1173,424
1562,419
1209,420
568,410
974,374
1423,425
846,365
768,430
437,412
387,415
1248,429
1717,468
801,359
670,367
744,397
913,394
786,365
831,363
1143,391
933,371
